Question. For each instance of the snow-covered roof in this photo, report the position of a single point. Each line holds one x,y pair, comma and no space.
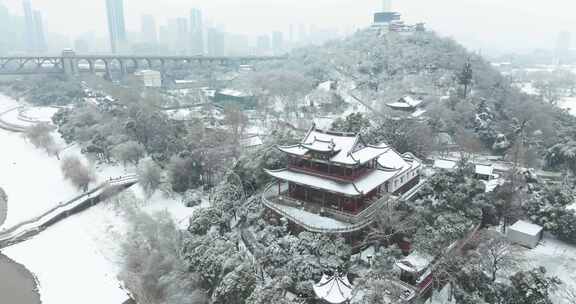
361,186
326,86
418,113
484,170
233,93
400,105
347,149
416,262
411,100
252,141
335,290
445,164
526,228
147,72
406,102
185,81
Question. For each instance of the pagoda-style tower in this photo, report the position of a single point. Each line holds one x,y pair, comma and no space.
335,182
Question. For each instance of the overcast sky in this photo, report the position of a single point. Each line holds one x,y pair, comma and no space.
479,24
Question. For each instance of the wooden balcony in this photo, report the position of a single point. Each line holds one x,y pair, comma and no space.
292,209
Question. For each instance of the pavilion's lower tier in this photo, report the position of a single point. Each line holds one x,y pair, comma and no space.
323,216
328,200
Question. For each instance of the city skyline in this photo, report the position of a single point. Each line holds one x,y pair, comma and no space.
536,24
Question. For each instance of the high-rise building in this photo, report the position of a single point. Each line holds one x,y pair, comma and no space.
116,25
263,44
39,35
183,34
196,32
277,43
30,29
34,35
149,31
216,44
563,45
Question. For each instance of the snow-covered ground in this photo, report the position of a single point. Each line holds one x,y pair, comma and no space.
75,260
7,103
31,178
568,103
43,114
557,257
79,256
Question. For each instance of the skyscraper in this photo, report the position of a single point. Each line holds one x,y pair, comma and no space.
30,28
563,45
196,32
34,35
263,45
116,25
149,31
277,43
216,44
183,34
39,35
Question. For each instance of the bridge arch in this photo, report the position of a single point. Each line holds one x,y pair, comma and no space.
86,65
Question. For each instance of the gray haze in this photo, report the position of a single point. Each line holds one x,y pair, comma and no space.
489,25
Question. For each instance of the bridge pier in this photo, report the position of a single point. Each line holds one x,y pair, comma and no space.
123,69
69,63
107,68
92,66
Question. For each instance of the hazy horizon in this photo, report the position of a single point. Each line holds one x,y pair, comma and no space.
489,25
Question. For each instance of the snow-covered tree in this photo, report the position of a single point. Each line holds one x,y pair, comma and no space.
79,174
129,152
495,253
152,266
149,176
40,135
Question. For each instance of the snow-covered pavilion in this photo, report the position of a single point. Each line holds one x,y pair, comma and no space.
334,290
415,270
406,103
339,176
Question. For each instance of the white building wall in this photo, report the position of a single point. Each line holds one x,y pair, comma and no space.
403,179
